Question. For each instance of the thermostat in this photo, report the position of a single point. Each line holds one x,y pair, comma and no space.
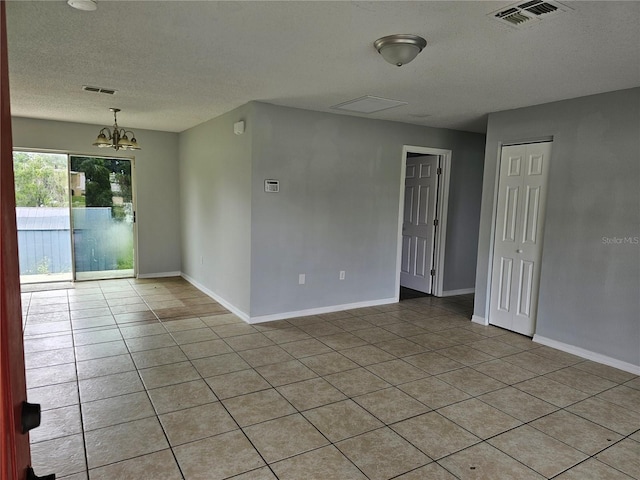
272,186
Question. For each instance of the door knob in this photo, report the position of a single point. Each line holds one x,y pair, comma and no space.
519,251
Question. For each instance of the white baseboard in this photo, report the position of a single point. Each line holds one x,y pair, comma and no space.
479,320
320,310
232,308
588,354
451,293
158,275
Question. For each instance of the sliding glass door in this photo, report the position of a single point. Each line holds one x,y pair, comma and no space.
75,217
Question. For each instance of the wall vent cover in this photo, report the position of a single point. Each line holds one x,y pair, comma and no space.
528,14
108,91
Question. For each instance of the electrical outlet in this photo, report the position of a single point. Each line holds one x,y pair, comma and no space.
342,274
301,279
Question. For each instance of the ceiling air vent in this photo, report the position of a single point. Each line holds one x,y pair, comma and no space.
528,13
108,91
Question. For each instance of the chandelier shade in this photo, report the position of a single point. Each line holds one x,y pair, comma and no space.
400,49
116,137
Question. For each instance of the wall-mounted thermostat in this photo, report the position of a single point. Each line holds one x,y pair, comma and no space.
272,186
238,127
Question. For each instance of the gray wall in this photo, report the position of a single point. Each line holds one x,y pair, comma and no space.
589,290
156,186
215,203
338,207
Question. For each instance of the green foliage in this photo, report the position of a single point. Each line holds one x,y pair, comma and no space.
98,186
40,180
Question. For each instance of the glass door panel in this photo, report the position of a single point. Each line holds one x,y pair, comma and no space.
43,216
103,217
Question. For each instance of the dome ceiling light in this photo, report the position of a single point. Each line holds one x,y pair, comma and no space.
400,49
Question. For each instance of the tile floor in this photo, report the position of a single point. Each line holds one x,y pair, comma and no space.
154,380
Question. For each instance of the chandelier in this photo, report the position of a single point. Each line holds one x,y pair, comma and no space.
116,138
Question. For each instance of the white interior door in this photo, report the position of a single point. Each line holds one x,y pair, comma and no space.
421,186
515,277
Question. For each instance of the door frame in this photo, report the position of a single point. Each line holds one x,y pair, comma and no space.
494,216
440,237
134,197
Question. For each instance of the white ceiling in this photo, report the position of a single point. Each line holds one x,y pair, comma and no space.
176,64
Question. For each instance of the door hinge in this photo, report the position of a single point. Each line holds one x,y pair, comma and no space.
433,272
134,216
439,171
435,222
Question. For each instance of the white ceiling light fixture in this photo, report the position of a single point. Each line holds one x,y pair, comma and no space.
116,138
84,5
400,49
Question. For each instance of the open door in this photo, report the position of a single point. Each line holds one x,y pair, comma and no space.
14,456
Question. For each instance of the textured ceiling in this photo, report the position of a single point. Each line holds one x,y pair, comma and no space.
176,64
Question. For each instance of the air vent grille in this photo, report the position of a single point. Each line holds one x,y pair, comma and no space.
108,91
528,13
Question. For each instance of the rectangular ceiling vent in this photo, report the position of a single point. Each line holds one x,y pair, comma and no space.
108,91
529,13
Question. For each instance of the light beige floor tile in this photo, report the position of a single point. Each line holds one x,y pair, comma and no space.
471,381
220,364
479,418
248,342
434,341
305,348
58,422
54,396
382,454
196,423
33,330
633,383
551,391
237,383
433,392
90,337
220,319
350,323
105,366
435,435
258,407
397,371
535,363
184,324
328,363
609,415
433,362
158,356
42,344
101,350
158,465
320,329
404,329
495,347
623,396
209,348
258,357
286,372
605,371
482,462
285,437
138,344
342,340
109,386
143,330
504,371
518,404
581,380
263,473
48,358
592,470
43,376
465,354
62,456
326,463
286,335
356,382
181,396
184,337
558,355
341,420
433,471
376,335
75,476
115,410
124,441
577,432
233,455
232,329
91,322
367,355
168,374
624,456
538,451
391,405
311,393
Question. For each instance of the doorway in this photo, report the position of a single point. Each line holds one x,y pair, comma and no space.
424,192
518,235
75,215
